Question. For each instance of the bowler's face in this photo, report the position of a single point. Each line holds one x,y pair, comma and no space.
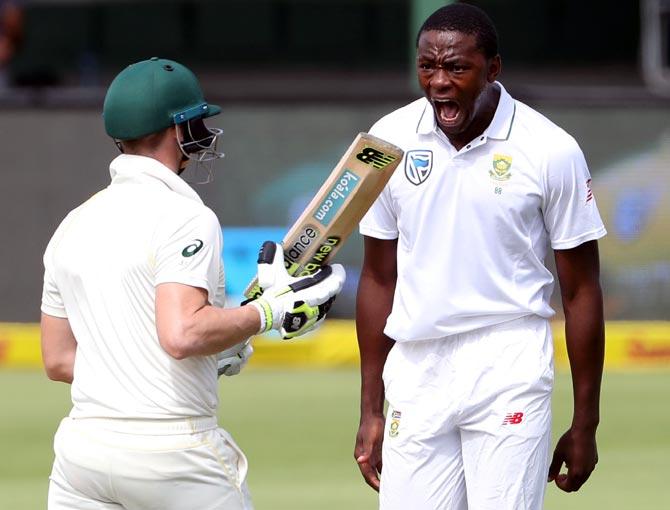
453,72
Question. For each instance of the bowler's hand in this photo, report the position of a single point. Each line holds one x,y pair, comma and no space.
368,450
577,450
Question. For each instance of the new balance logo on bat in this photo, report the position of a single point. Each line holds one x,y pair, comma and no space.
375,157
302,242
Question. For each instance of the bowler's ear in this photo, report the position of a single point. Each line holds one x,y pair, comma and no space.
495,66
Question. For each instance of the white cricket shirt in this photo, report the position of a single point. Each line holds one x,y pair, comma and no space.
474,226
102,267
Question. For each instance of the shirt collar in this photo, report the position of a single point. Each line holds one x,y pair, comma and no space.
130,168
499,128
501,125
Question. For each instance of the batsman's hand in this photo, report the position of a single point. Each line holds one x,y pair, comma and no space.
368,449
232,360
293,306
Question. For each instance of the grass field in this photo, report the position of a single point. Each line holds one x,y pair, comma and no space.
297,429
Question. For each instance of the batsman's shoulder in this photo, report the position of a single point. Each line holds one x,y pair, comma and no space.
180,210
204,214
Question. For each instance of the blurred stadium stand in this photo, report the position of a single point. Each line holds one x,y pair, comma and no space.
655,45
297,79
353,50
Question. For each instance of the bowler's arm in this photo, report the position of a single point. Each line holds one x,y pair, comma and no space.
59,347
579,277
373,306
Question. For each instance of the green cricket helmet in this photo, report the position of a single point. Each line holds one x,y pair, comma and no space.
152,95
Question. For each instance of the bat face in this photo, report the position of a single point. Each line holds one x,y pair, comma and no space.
338,206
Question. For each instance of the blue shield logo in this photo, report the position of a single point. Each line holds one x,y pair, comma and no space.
418,165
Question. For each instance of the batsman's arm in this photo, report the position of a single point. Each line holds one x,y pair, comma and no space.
188,325
59,347
373,305
579,277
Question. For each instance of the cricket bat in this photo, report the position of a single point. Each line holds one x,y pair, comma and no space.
338,206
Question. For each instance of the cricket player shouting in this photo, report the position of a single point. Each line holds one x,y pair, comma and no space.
453,302
132,314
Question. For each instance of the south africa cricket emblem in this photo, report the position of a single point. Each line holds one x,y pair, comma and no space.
501,167
395,423
418,165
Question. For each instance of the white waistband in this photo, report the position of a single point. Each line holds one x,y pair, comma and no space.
498,327
151,427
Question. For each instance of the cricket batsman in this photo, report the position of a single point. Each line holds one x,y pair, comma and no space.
133,317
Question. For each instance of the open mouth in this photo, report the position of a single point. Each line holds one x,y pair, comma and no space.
447,111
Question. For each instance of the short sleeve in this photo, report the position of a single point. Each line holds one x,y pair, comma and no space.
52,301
191,254
571,216
381,220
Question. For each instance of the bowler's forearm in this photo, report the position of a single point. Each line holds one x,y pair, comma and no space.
585,337
373,307
374,302
373,358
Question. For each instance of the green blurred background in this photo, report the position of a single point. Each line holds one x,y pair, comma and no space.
297,79
297,431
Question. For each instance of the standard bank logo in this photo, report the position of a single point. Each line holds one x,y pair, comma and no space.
418,165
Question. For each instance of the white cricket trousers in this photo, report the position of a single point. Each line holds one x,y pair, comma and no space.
469,420
113,464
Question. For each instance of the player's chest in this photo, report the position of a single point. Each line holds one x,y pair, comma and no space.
499,183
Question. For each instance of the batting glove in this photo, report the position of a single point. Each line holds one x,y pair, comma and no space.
293,306
232,360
